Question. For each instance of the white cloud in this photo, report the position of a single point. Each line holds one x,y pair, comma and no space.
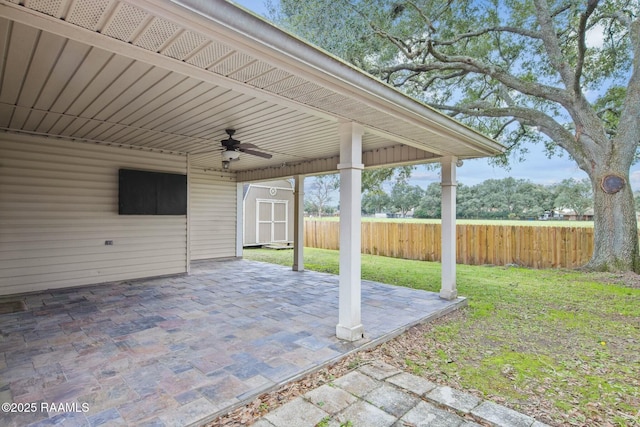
595,37
423,174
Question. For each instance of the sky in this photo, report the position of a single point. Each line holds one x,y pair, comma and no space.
537,168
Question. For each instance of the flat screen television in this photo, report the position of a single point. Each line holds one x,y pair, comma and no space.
151,193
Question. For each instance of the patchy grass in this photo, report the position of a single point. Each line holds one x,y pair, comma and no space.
559,345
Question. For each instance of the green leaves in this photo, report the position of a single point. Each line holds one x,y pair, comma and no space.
576,195
504,198
405,197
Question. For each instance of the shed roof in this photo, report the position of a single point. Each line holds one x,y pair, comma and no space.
173,75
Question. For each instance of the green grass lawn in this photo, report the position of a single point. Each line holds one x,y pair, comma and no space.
560,345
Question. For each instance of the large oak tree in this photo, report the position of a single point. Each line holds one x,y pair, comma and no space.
565,73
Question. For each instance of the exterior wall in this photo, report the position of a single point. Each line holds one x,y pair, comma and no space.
261,192
58,206
213,214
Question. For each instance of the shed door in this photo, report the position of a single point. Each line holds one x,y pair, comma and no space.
272,221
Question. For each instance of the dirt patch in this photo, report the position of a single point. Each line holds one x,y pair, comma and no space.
628,279
267,402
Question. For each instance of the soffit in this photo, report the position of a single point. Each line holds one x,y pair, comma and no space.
119,73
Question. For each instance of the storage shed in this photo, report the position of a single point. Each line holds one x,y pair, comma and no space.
268,213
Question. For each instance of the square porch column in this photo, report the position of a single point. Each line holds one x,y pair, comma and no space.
298,224
349,326
448,289
239,219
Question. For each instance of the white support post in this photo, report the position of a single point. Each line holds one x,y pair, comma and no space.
349,325
188,254
239,219
448,289
298,224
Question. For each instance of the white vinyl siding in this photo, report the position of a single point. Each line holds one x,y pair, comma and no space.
213,214
58,206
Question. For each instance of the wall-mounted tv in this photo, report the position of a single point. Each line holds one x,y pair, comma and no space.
151,193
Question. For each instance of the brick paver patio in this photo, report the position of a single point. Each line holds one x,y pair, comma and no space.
183,350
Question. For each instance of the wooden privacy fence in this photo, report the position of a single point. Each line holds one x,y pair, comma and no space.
530,246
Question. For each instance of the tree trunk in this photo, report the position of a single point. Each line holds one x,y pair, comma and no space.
615,225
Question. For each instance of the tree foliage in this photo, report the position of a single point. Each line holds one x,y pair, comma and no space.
374,202
516,70
405,197
576,195
493,199
372,179
321,192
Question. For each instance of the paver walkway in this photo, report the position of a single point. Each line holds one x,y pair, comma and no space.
379,395
177,351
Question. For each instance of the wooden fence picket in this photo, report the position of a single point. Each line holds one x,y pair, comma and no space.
528,246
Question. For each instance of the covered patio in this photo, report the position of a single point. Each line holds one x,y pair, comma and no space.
182,350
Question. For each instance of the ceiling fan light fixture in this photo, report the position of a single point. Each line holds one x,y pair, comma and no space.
229,155
225,164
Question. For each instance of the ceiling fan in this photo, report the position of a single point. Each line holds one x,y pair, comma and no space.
233,148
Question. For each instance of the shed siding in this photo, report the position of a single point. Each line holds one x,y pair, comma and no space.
58,206
213,214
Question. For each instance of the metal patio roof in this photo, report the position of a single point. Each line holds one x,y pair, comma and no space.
172,75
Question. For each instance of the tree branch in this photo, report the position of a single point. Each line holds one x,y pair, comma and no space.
501,29
450,76
502,128
552,43
618,16
400,44
470,65
527,117
424,17
582,46
629,125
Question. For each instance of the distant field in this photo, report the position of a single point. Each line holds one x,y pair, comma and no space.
472,221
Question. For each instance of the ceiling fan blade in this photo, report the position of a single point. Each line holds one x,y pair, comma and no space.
245,145
257,153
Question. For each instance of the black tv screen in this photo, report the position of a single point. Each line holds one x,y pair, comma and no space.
151,193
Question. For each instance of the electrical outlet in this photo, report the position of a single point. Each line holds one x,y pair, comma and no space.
108,242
